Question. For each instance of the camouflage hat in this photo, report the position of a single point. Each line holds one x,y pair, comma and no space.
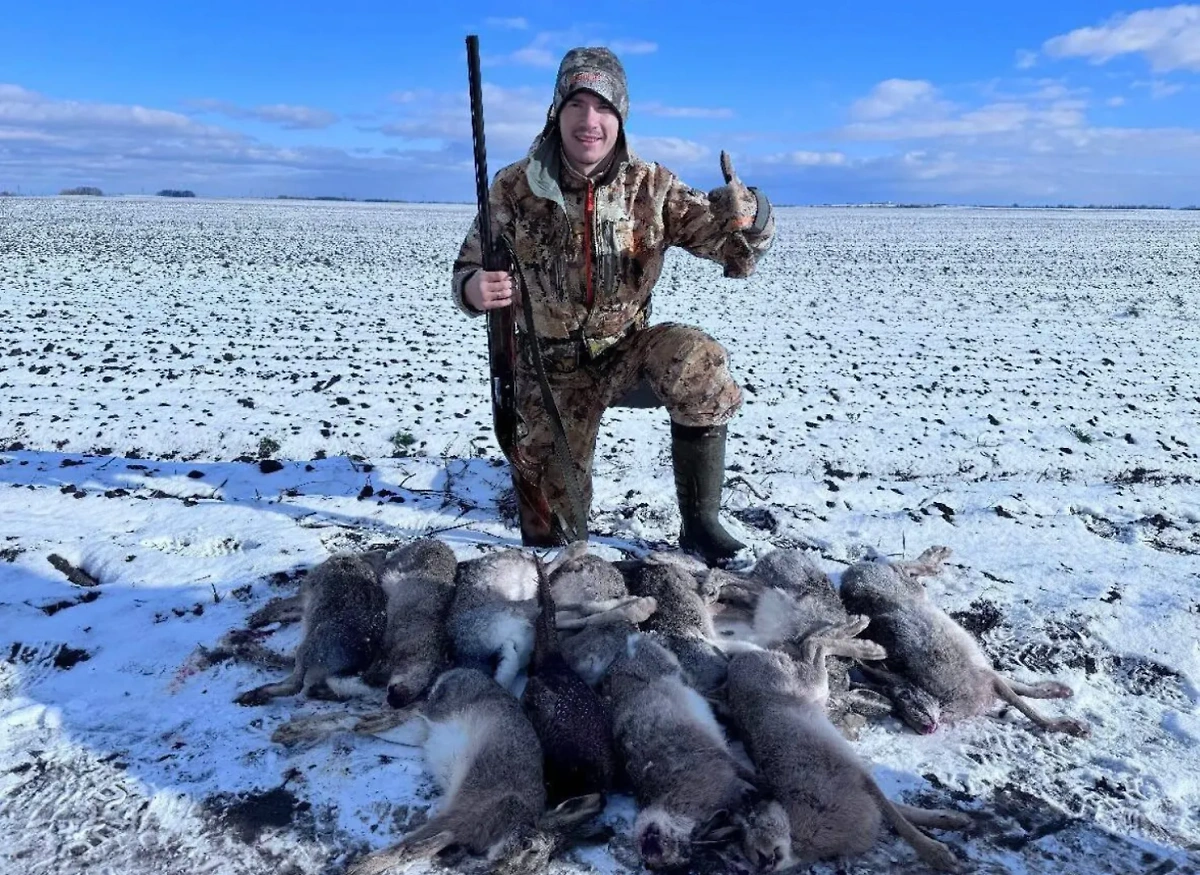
596,70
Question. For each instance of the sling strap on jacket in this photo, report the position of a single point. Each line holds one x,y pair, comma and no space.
577,527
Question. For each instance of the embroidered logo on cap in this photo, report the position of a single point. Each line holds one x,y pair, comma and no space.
589,78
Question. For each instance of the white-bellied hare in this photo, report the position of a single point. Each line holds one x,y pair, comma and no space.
788,596
495,603
485,756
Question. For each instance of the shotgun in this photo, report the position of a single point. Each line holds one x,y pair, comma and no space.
539,524
501,323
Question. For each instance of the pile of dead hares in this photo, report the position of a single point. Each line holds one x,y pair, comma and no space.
535,688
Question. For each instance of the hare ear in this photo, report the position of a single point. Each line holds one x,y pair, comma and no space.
721,835
573,811
752,795
749,779
718,579
719,827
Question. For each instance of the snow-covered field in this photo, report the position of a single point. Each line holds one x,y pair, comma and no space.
198,399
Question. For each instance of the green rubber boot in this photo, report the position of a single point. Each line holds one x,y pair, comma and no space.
698,457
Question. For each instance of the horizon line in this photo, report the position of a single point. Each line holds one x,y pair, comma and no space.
842,204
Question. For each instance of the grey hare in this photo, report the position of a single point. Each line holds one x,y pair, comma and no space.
935,671
418,580
344,611
676,757
485,756
831,802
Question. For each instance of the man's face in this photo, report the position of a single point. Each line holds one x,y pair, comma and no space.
589,128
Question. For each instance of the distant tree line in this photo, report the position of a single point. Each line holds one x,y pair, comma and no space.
333,197
176,192
90,190
319,197
1016,206
1111,207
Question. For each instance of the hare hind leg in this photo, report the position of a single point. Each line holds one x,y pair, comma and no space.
312,728
934,818
1072,727
261,695
423,844
927,564
930,850
1041,689
838,640
635,609
283,611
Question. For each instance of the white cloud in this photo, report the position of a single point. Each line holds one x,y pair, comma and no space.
1041,90
1160,89
690,112
520,104
508,23
1034,144
1168,37
1052,90
633,47
24,109
904,109
285,115
534,56
803,158
926,166
295,117
28,135
1026,59
1029,144
670,150
47,144
896,97
410,96
512,116
547,48
17,94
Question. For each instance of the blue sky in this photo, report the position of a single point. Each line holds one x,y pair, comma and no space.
1057,101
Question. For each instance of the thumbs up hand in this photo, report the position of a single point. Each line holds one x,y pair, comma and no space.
733,205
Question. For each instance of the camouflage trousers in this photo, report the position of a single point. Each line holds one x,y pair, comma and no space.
686,369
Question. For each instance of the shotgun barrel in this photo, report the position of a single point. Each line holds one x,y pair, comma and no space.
501,322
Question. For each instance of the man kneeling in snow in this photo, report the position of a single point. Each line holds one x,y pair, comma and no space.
589,224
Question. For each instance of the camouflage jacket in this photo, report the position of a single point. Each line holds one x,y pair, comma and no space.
592,279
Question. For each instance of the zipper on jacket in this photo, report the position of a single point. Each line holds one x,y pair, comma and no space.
589,207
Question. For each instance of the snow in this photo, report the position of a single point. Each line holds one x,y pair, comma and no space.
1018,385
